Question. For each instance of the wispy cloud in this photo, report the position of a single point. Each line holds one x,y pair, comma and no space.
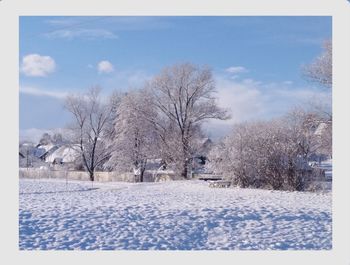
251,99
37,65
117,23
141,22
126,79
243,99
288,82
61,22
41,92
89,34
236,70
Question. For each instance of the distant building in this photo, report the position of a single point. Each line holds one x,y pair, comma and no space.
44,150
63,155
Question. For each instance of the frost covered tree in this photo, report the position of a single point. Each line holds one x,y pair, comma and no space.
315,123
57,138
135,140
45,139
234,161
183,96
27,149
320,70
302,126
246,152
269,154
91,117
110,130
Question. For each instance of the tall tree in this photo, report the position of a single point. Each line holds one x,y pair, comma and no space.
135,139
320,70
91,119
183,97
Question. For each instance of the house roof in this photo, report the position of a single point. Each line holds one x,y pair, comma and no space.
321,128
42,150
67,153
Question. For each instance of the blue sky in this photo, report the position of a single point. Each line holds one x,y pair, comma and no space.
256,61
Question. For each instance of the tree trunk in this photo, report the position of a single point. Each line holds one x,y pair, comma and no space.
185,168
91,175
142,171
184,171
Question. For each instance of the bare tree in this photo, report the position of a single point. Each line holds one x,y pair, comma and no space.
27,150
320,70
183,97
91,118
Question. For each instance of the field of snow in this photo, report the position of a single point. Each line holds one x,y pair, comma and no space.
176,215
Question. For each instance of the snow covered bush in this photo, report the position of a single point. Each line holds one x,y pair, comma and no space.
268,154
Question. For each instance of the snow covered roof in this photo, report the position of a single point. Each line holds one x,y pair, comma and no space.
67,154
45,147
320,128
42,150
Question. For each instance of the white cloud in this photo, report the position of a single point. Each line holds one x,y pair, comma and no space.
105,67
37,65
243,99
236,69
40,92
89,34
248,100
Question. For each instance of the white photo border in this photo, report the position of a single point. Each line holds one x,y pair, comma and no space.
11,10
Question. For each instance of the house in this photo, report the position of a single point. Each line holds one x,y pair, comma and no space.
65,154
42,151
321,128
22,161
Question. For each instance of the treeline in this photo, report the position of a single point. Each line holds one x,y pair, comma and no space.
164,120
161,120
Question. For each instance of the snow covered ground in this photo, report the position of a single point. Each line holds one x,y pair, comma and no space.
185,215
